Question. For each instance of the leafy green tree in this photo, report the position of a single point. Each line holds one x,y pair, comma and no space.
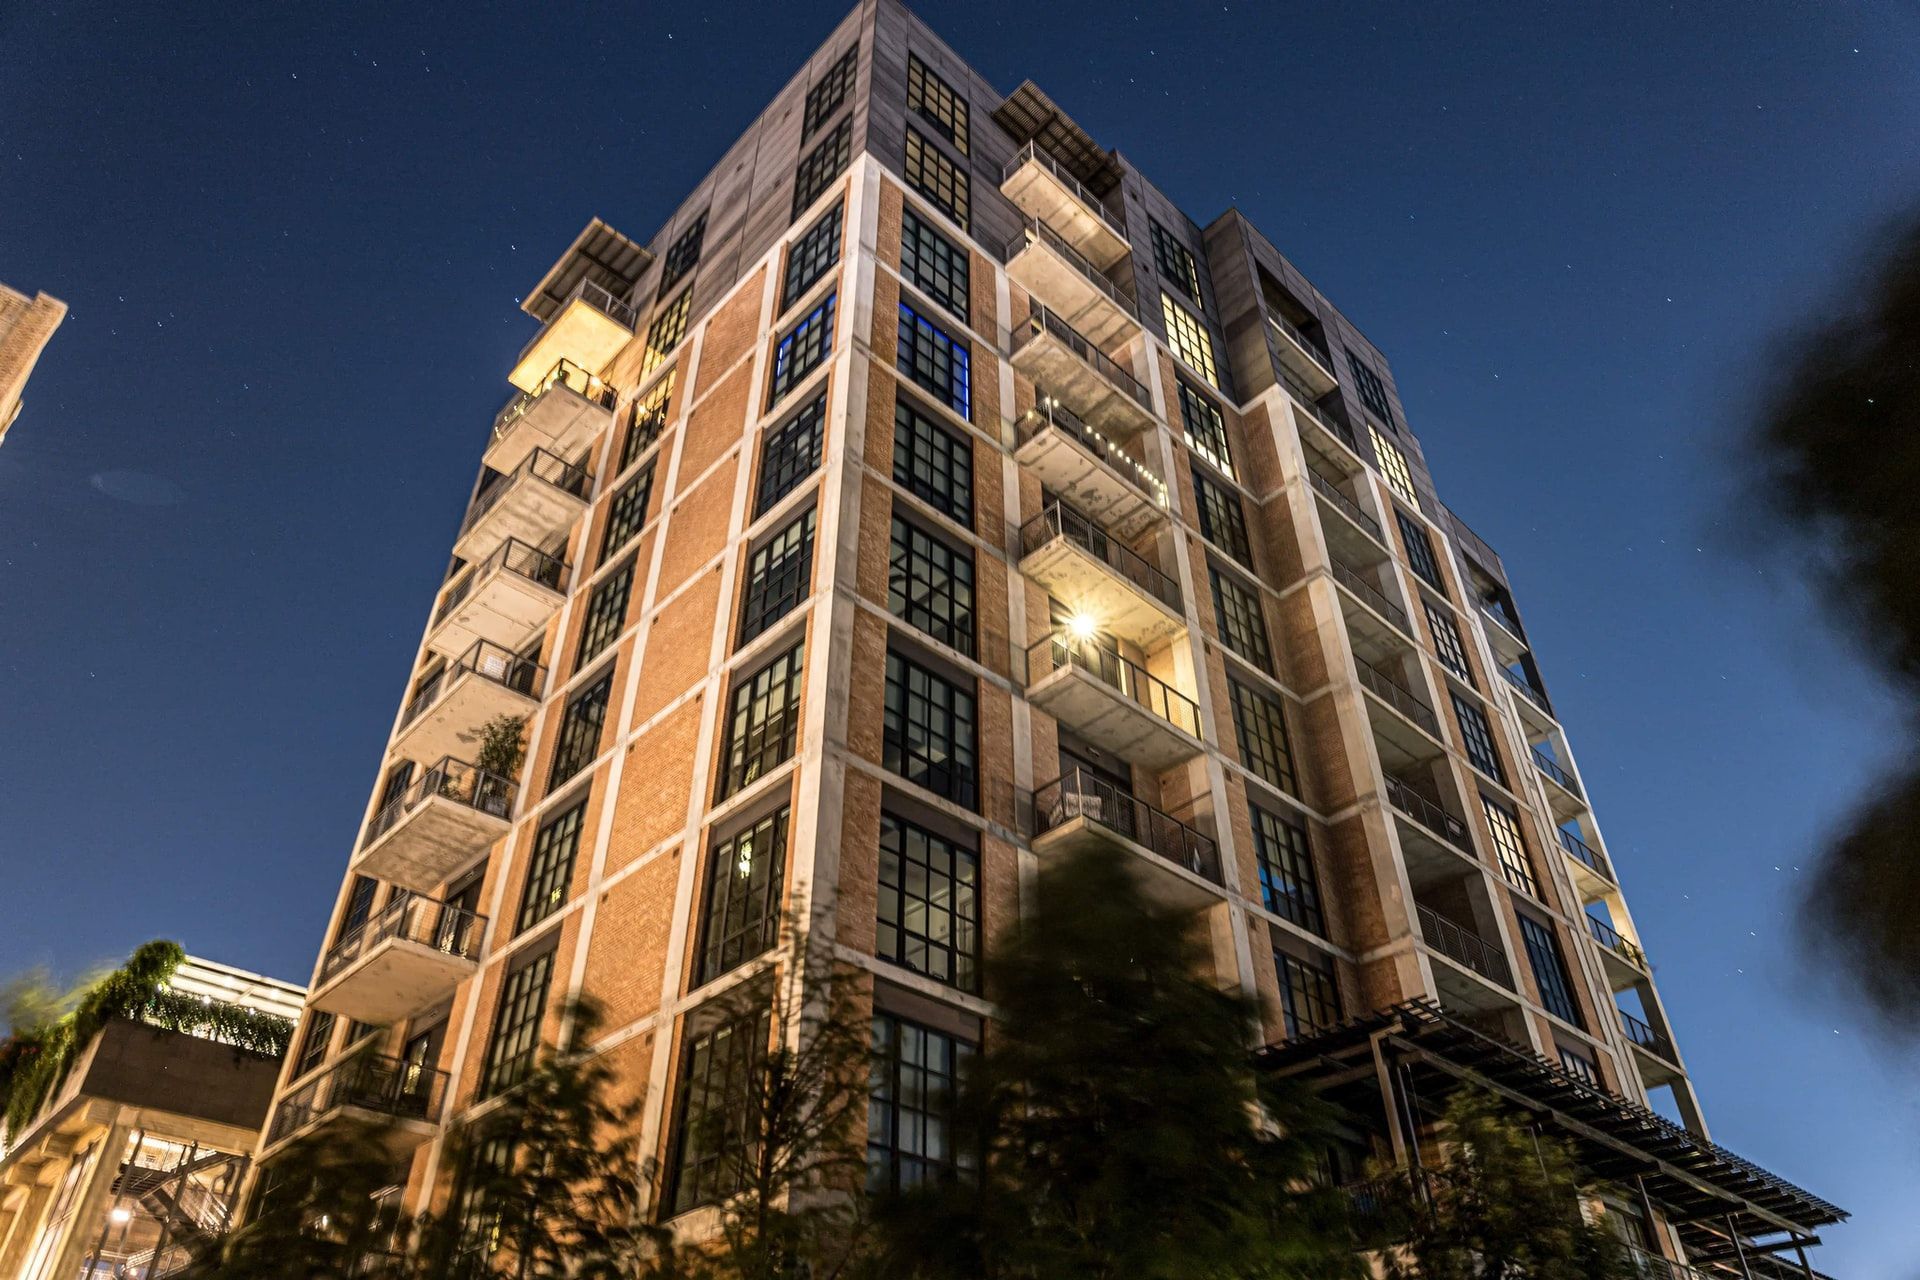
1120,1127
1502,1202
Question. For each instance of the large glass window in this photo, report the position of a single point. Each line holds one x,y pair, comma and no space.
937,178
935,265
779,575
1288,887
928,732
1373,392
934,101
1309,997
1242,628
821,166
1446,641
715,1139
516,1025
1419,550
930,585
812,255
802,349
550,869
1222,520
1177,265
627,513
649,419
825,97
935,360
1393,465
746,875
1188,338
1477,734
314,1043
1261,728
606,613
933,463
1549,970
1206,428
911,1138
763,722
579,737
683,253
667,331
791,454
929,905
1507,844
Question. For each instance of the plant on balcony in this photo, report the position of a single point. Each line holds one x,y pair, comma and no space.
503,747
1120,1128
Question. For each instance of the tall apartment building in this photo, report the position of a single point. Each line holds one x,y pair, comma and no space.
26,324
931,495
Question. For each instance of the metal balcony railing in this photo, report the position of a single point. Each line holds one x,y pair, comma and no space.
410,917
1331,423
1397,696
1032,152
488,661
1037,232
1504,620
1357,582
389,1087
1551,767
1525,689
1057,520
1044,321
1651,1266
598,297
1585,854
1082,794
1049,414
1463,946
564,374
1125,676
448,779
1429,815
544,467
1348,507
1654,1042
1311,348
1609,937
512,556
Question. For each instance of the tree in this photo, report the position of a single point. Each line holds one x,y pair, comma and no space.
1501,1203
1835,463
1121,1129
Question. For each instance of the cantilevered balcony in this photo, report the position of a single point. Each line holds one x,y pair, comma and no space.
445,716
1563,789
397,1100
1037,183
1531,701
1503,634
564,410
1176,864
1089,469
1304,358
505,600
1113,702
1374,618
1100,578
1076,371
1592,873
1467,950
1626,964
1659,1060
451,814
1433,840
537,503
1404,727
1056,273
1353,536
588,329
1324,427
410,955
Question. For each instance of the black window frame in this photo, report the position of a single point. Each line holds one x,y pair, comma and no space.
1238,615
740,914
936,265
1176,263
1204,426
1420,554
1550,974
790,452
648,418
683,255
1189,338
779,575
1289,885
708,1084
942,606
1371,389
315,1041
668,331
803,348
819,167
813,253
937,103
1509,845
605,616
582,725
912,746
938,180
1223,521
891,1114
1476,737
515,1038
829,93
1257,739
1309,995
935,361
910,938
763,721
627,513
550,866
1448,645
933,462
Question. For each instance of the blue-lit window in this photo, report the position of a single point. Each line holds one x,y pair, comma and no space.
935,361
803,348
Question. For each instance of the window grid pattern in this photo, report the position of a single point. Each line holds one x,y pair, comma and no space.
930,586
627,513
825,97
803,349
746,875
1242,627
1447,643
820,166
649,420
1288,886
714,1143
932,463
606,614
579,738
667,331
763,724
928,731
1177,265
550,869
934,101
1223,521
683,253
911,1131
1580,1067
1477,735
313,1045
937,178
1508,846
516,1025
1206,428
1373,392
1549,970
1393,465
1419,550
1188,338
1309,996
928,915
935,360
812,255
779,576
934,264
1261,730
791,454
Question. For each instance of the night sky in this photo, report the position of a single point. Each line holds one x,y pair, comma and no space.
293,239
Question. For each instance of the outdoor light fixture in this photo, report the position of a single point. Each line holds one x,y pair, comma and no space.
1082,627
120,1215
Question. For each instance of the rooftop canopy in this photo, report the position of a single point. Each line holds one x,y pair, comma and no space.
599,254
1031,116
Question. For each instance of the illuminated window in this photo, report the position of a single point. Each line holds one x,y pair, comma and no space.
1206,429
821,166
803,349
649,420
763,722
934,263
937,178
745,887
1393,465
1188,338
666,332
1507,845
550,870
934,101
825,97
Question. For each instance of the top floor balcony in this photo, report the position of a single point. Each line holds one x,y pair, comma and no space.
1043,189
561,413
1304,358
1080,375
588,328
1046,266
1091,470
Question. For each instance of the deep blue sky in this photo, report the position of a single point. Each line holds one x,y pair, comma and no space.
293,237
